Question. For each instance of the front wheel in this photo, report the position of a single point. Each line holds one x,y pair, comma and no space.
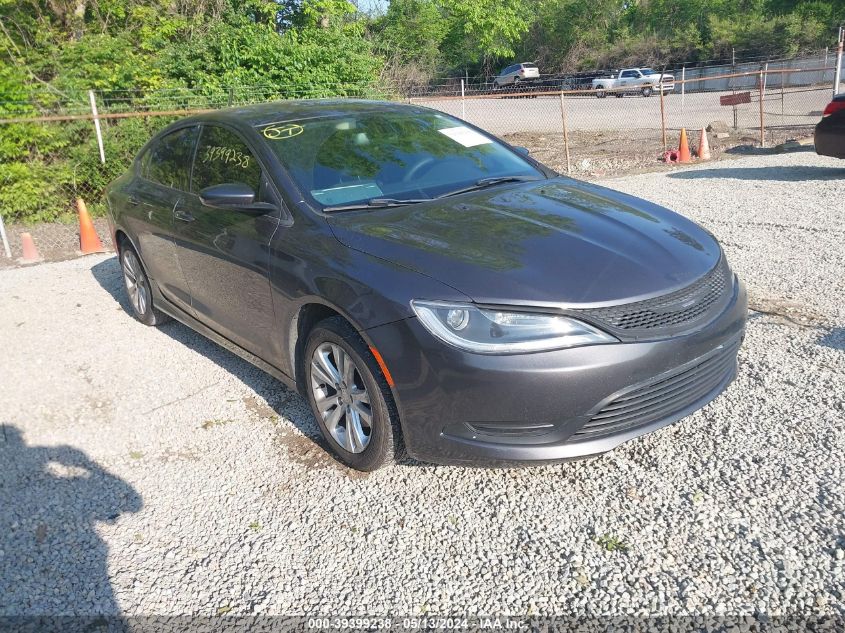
646,91
350,397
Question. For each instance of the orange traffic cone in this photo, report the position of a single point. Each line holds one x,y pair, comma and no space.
683,148
30,253
703,146
89,241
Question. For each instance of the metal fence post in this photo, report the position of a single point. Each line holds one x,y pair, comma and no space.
662,115
762,88
565,131
463,102
5,239
732,82
97,126
683,87
782,115
838,71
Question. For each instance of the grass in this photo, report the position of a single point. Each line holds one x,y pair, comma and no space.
208,424
612,543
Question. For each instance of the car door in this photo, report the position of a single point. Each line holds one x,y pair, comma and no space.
507,76
625,77
224,252
162,181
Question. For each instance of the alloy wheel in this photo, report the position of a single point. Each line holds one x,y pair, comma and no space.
136,282
341,397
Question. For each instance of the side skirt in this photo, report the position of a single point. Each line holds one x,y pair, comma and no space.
180,315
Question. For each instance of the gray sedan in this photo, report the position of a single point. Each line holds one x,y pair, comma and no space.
426,286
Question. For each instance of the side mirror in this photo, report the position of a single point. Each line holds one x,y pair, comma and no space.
227,195
522,150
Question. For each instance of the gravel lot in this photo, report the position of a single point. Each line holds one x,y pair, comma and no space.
799,107
148,471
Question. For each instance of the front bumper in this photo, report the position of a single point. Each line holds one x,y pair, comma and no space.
457,407
829,137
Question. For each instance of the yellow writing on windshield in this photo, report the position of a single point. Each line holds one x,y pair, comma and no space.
287,130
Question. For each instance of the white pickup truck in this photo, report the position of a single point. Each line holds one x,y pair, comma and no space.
632,80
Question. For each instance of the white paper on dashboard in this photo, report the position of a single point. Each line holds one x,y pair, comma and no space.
465,136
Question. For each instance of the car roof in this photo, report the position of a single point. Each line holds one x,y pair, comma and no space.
262,114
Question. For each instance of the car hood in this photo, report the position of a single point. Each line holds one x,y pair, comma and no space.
557,242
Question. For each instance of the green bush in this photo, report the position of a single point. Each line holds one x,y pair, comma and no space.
34,191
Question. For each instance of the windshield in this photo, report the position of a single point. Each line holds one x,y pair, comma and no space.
402,156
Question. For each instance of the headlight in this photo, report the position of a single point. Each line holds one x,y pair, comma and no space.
503,331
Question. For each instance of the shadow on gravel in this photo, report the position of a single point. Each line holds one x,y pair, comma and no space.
52,561
785,173
786,148
833,338
276,395
269,391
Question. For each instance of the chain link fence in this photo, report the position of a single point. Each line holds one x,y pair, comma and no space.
619,127
574,131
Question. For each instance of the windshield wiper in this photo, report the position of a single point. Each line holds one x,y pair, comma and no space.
375,203
382,203
489,182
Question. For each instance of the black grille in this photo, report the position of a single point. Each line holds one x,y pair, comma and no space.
661,398
680,310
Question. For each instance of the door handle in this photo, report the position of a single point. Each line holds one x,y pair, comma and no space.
183,216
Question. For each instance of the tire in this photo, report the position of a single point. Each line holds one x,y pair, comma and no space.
646,91
619,95
600,93
138,289
369,446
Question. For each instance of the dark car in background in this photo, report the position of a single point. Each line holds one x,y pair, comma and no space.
424,284
830,131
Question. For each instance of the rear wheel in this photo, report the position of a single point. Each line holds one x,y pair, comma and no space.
350,397
138,288
600,93
620,94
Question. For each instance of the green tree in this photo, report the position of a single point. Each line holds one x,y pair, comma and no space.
411,32
480,31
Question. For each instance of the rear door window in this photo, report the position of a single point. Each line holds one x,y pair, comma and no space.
168,162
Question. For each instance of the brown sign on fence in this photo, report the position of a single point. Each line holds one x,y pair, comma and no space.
737,99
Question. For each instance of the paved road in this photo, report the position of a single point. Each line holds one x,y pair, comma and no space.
148,471
542,114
